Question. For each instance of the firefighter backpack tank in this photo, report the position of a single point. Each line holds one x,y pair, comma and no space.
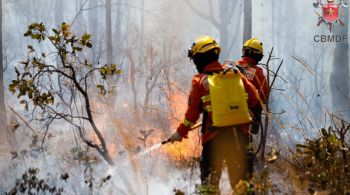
228,99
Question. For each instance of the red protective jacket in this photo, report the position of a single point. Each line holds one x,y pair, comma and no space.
197,101
256,76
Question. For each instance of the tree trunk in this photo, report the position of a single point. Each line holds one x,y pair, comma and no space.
225,53
93,26
109,31
273,19
247,26
142,20
118,31
339,81
226,13
226,10
59,17
3,122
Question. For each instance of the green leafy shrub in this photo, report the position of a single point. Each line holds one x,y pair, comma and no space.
322,162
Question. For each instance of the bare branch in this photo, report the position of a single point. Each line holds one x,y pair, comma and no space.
204,16
23,120
275,76
80,10
306,66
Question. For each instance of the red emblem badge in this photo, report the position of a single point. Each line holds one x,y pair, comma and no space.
330,12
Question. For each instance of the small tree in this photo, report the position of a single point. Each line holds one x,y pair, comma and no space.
61,91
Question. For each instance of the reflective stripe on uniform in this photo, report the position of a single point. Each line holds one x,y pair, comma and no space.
188,123
205,98
208,108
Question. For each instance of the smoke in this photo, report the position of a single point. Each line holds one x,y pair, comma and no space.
151,94
150,172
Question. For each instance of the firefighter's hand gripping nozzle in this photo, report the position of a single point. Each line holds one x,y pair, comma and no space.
173,138
177,137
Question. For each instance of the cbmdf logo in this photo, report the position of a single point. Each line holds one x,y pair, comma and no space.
331,13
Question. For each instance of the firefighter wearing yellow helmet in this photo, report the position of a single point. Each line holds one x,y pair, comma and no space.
253,48
221,143
252,54
202,45
204,51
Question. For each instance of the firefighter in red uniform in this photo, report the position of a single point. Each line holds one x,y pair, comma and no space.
227,144
252,53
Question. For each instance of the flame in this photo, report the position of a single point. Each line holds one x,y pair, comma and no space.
187,148
111,147
177,105
102,121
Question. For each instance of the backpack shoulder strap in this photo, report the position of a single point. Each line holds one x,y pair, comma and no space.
235,69
240,69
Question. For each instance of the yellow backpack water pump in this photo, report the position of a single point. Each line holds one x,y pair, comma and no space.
228,99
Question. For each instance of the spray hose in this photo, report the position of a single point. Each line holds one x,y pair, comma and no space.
200,124
192,128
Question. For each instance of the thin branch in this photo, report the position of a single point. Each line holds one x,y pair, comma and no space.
47,129
306,66
23,120
80,10
275,76
283,79
267,111
277,89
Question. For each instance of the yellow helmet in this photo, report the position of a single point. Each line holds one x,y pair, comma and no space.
255,45
202,45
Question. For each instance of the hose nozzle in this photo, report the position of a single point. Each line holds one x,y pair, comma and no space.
166,141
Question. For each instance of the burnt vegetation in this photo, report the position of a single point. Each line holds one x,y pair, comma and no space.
32,183
323,161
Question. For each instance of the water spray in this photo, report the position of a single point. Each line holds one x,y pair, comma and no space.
156,146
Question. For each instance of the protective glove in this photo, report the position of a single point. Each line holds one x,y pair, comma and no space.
175,137
255,124
254,127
